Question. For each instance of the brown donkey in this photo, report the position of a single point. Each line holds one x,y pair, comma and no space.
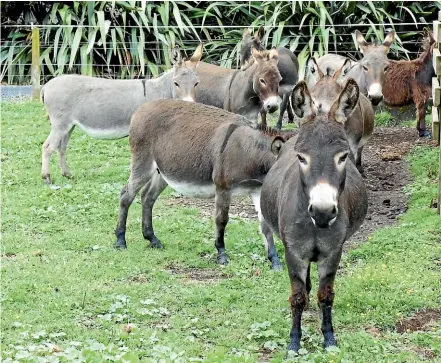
199,151
411,82
314,199
246,92
360,123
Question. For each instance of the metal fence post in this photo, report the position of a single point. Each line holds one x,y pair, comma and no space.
436,94
35,68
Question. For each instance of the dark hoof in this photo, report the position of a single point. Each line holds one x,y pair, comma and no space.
120,244
222,259
425,133
330,341
47,179
276,266
290,120
294,347
156,244
67,175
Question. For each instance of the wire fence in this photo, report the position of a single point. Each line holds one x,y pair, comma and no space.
21,74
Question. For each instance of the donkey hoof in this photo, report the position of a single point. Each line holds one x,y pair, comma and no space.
329,341
278,127
222,259
292,347
120,244
156,244
67,175
276,266
424,133
47,178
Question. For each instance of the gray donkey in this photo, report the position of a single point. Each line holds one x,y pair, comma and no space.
199,151
360,123
102,108
314,199
288,66
245,92
369,72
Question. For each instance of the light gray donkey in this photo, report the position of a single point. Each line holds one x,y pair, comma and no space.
102,108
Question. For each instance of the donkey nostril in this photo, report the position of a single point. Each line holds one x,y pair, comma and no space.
334,211
310,209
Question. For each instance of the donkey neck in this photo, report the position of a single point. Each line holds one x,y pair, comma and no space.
241,95
356,72
160,87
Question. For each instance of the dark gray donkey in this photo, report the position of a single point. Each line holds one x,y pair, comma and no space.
288,66
102,108
314,199
369,72
360,123
199,151
245,92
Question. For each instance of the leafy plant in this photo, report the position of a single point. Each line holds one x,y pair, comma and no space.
127,39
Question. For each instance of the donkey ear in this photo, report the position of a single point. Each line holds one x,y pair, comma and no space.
176,57
274,55
346,102
197,55
315,70
260,33
277,144
301,100
257,55
362,43
343,71
389,40
246,34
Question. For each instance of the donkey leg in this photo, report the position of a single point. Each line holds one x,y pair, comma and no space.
327,270
62,155
263,116
297,270
267,236
222,207
52,143
289,109
148,197
358,164
283,107
136,181
421,122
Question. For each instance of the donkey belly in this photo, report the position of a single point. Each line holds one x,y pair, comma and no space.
191,189
111,132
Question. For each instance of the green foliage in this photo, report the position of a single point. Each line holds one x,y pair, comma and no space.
127,39
384,119
68,295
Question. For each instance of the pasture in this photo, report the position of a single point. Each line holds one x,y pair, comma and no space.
68,295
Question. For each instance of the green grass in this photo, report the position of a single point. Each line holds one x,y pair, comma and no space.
64,287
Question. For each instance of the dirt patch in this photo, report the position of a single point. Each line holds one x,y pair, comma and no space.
138,279
420,321
265,355
425,353
197,275
386,173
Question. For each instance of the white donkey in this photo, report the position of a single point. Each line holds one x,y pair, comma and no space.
102,108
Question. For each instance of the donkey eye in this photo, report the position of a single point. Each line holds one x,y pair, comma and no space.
365,68
176,84
301,159
386,68
261,80
343,158
196,84
312,70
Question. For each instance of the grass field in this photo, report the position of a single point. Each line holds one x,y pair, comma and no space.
67,294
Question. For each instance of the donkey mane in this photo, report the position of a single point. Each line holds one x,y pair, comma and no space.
264,53
272,132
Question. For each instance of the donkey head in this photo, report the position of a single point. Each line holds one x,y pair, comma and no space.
266,78
374,66
185,77
249,42
326,88
322,150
